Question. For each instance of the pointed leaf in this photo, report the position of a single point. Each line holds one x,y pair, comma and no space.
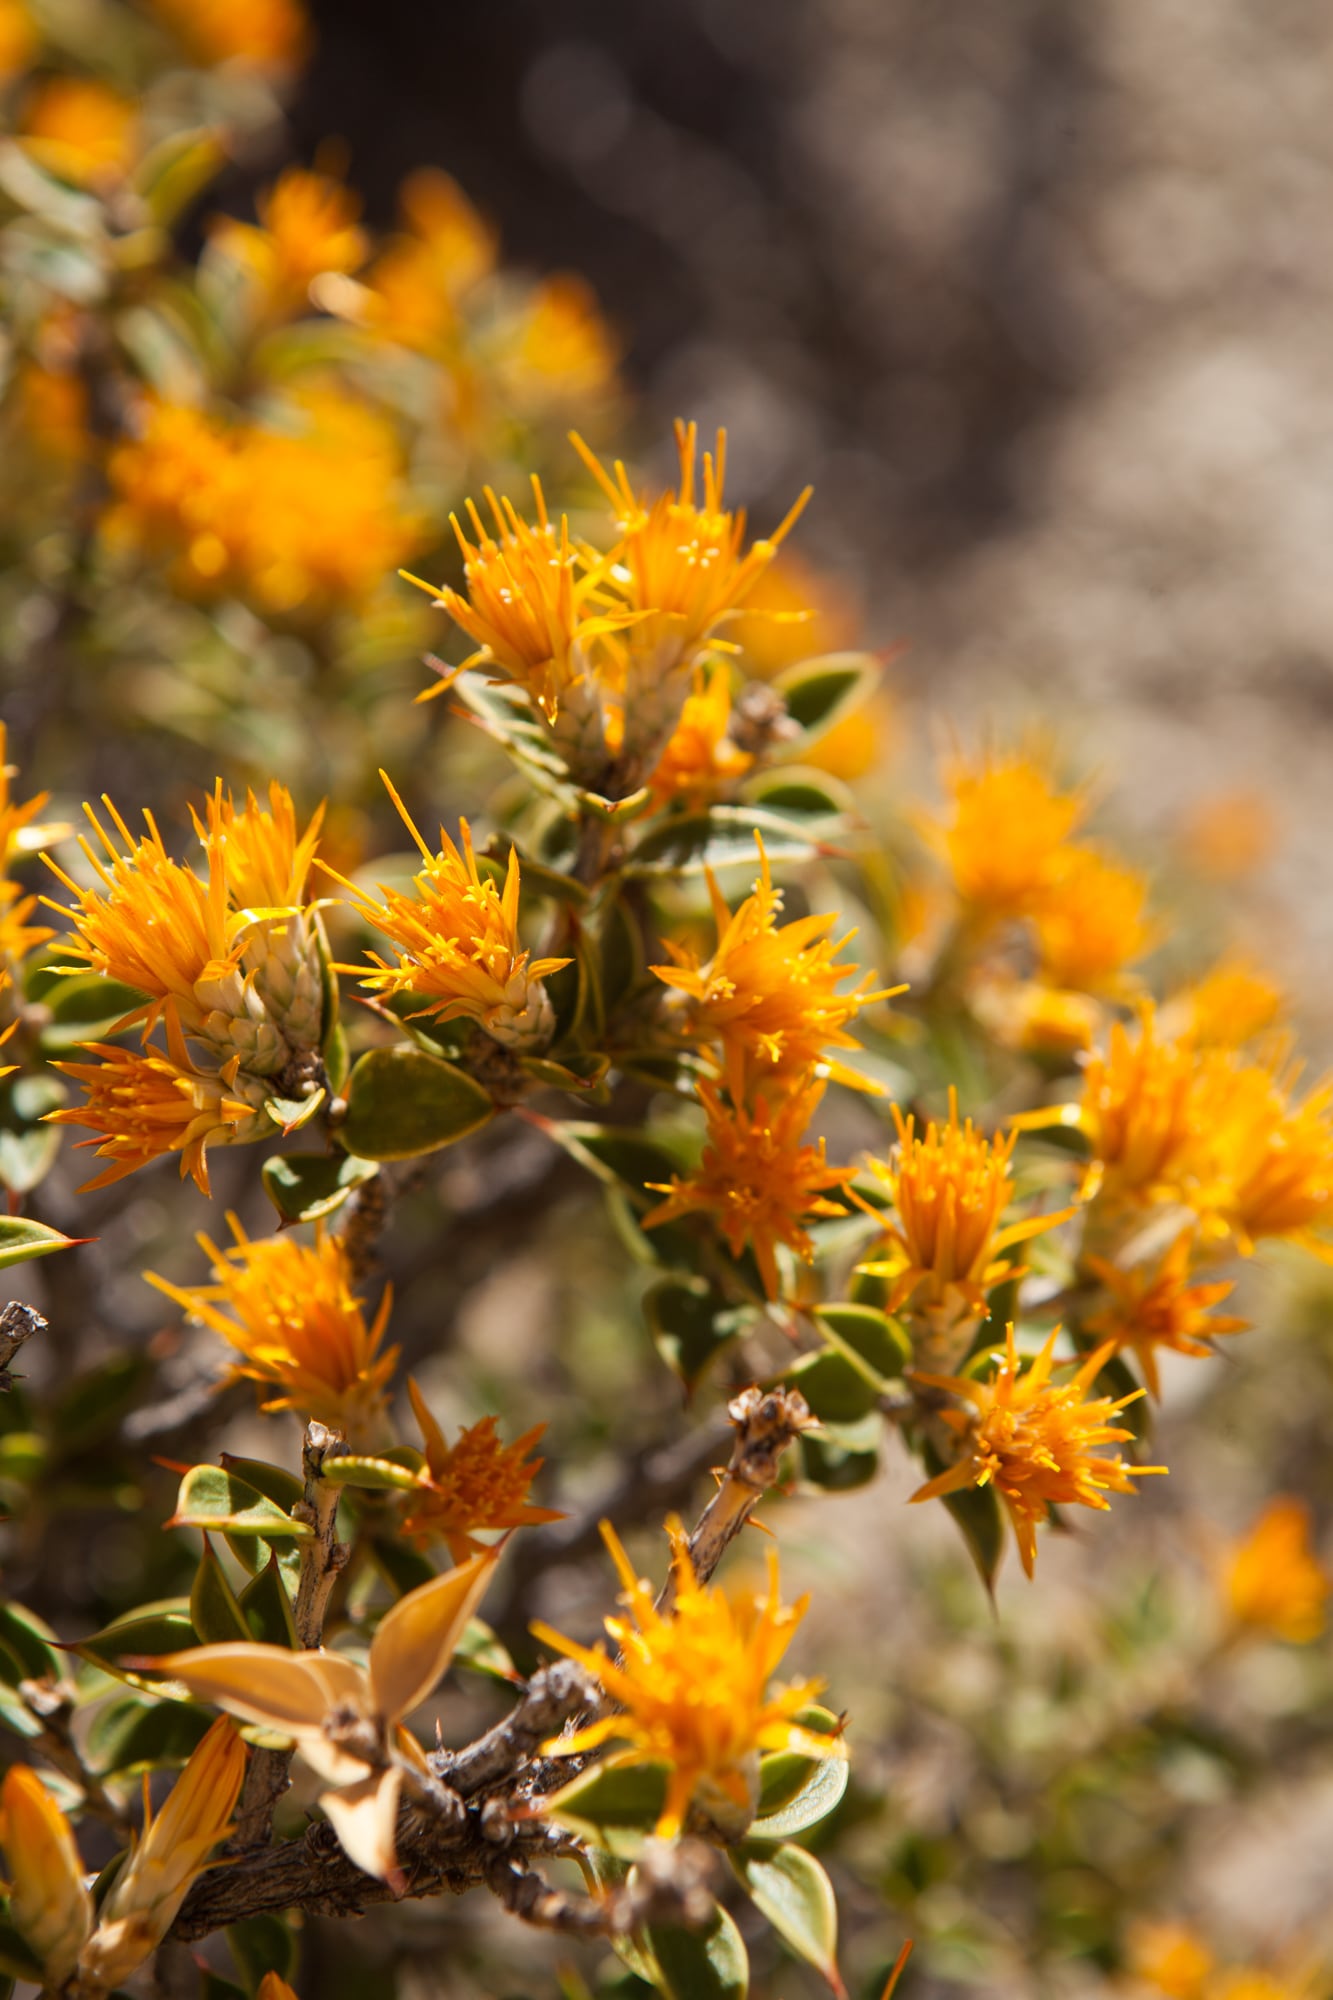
377,1474
796,1896
871,1334
30,1640
980,1518
267,1609
482,1653
402,1102
837,1388
214,1612
257,1683
709,1964
687,843
283,1488
364,1817
305,1186
213,1496
690,1324
130,1735
289,1114
156,1629
796,1792
416,1639
819,693
614,1806
21,1238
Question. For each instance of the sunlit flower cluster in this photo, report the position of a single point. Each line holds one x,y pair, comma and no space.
1175,1961
691,1688
473,1486
229,965
1272,1580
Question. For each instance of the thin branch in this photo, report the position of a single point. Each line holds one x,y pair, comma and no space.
18,1323
553,1695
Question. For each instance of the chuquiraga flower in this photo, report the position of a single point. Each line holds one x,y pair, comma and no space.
682,571
49,1906
1232,1004
756,1179
1264,1163
473,1486
1091,924
237,983
290,1311
691,1688
950,1189
307,226
768,996
1002,840
420,276
263,34
1151,1306
1036,1441
1171,1960
167,1859
81,130
1271,1579
701,761
458,944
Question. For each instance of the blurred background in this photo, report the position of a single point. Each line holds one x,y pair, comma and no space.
1038,297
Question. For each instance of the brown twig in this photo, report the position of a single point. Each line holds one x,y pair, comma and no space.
18,1323
766,1421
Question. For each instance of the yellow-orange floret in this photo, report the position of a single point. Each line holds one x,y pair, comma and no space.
1154,1306
769,995
1037,1442
1007,822
144,1105
1137,1111
81,130
307,226
1272,1581
265,860
700,760
458,944
473,1486
1091,923
266,34
691,1688
756,1180
951,1187
290,1311
1266,1164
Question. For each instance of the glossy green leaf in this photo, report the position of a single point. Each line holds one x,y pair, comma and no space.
794,1893
710,1964
266,1607
403,1567
793,789
283,1488
980,1518
262,1944
796,1792
289,1114
869,1333
836,1466
129,1735
614,1806
30,1641
482,1653
690,1324
380,1475
85,1008
156,1629
402,1102
213,1496
723,837
820,692
214,1611
21,1238
16,1961
836,1389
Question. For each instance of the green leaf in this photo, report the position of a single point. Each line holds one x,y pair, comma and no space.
213,1496
214,1612
796,1792
830,1462
689,1323
615,1806
85,1008
621,1157
289,1114
97,1403
262,1944
24,1456
402,1102
16,1961
129,1735
979,1516
866,1331
481,1652
836,1388
157,1628
687,843
700,1965
794,789
379,1475
820,692
31,1641
796,1896
283,1488
21,1238
404,1568
175,170
267,1609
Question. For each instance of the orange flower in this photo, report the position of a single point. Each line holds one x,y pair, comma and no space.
307,226
289,1310
419,276
700,761
473,1485
950,1189
268,34
1229,1006
265,862
81,130
1267,1164
48,1904
458,943
1034,1440
756,1179
1138,1111
19,40
1090,923
564,348
768,995
1156,1306
147,1105
1272,1581
1007,824
691,1688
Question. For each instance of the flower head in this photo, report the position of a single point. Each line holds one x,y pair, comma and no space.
1138,1110
347,1719
700,759
1034,1440
289,1310
48,1904
474,1485
1272,1581
1232,1004
146,1105
81,130
19,40
168,1858
1008,821
756,1179
1155,1306
769,994
263,34
1265,1164
692,1687
264,860
1090,923
458,944
307,226
951,1188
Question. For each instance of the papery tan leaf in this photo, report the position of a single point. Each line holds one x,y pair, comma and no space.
416,1640
364,1816
257,1683
330,1762
346,1684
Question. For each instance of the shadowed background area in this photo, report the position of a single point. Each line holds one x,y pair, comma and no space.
1038,298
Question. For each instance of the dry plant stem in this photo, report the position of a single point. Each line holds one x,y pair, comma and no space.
554,1693
765,1422
18,1323
57,1745
323,1556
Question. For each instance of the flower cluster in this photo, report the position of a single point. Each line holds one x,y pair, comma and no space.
230,965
